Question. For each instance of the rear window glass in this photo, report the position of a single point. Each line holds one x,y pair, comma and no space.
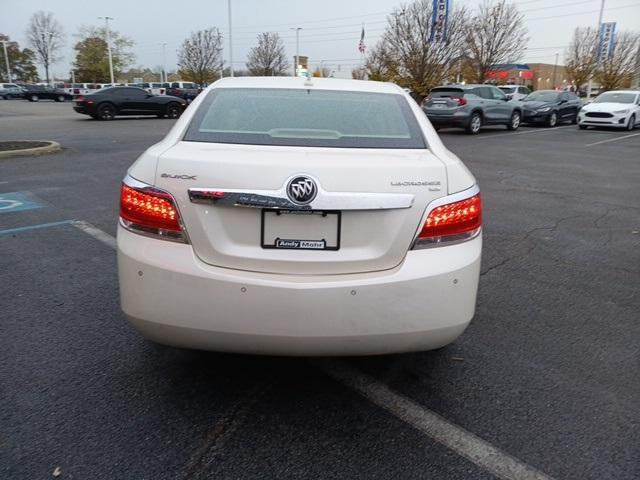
447,92
312,118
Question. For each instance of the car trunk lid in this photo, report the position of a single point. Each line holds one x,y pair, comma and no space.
367,236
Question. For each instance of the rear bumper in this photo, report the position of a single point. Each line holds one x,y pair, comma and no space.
172,297
460,119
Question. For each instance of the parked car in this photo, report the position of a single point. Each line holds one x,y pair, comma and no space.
11,90
514,92
300,216
157,88
186,90
470,107
35,93
551,107
107,103
620,108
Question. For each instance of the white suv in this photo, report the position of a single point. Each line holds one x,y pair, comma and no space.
300,217
514,92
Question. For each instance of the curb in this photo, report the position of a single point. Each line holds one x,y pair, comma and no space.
28,152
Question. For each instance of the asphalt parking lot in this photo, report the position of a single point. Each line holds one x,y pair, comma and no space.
544,383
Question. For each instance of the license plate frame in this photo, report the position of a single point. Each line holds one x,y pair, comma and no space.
302,243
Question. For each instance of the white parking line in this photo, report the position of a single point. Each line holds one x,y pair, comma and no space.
612,140
528,132
456,438
96,233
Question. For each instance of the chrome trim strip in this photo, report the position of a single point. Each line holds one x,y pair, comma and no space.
278,199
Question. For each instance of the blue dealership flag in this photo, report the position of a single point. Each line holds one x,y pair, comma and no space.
606,41
439,21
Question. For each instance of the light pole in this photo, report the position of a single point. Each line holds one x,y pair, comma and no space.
164,62
589,85
230,42
106,25
6,59
295,68
555,66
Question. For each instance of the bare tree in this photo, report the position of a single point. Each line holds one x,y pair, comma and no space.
416,61
268,58
618,69
46,36
200,57
581,55
496,34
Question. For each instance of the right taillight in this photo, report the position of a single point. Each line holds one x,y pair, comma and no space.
452,222
460,101
150,211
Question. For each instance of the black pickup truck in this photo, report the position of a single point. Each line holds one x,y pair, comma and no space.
185,90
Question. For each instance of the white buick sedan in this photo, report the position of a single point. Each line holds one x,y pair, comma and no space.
300,217
619,109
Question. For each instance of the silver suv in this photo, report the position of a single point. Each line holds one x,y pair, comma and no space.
470,107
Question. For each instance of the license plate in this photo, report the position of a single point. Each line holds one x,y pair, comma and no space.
439,105
301,229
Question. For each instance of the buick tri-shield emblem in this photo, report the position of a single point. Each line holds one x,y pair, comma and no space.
302,190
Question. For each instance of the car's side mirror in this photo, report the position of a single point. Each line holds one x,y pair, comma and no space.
562,101
506,99
149,95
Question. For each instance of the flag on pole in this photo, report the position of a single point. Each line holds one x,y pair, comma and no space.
361,46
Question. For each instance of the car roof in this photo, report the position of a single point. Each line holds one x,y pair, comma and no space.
622,91
310,83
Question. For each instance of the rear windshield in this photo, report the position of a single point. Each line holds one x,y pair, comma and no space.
446,92
311,118
613,97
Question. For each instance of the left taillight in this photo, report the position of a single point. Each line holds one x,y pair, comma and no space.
451,222
150,211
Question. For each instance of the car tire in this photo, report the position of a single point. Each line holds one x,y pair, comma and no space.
632,123
574,121
33,97
475,123
172,110
582,127
60,98
515,121
6,97
552,119
106,112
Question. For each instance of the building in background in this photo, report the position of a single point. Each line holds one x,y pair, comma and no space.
511,73
547,76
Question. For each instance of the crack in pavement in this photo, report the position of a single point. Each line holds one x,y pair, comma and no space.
216,436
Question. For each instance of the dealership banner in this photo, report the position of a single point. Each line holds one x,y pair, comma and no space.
439,20
606,42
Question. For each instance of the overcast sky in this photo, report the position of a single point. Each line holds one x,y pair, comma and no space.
331,28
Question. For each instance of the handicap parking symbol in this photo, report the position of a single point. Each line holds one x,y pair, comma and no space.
16,202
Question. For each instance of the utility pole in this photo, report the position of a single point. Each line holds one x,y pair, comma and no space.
555,67
295,68
106,24
164,62
589,85
230,42
6,59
